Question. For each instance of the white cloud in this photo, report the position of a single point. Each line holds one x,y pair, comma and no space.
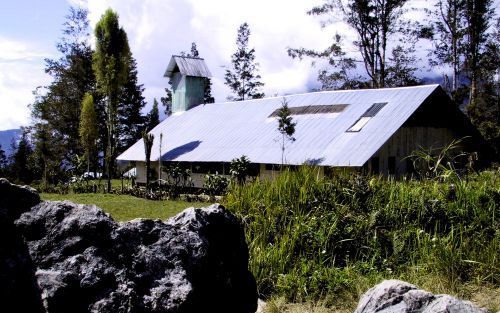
157,29
21,71
12,50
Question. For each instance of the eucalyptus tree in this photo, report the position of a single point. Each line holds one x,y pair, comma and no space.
478,15
243,79
447,34
378,24
111,62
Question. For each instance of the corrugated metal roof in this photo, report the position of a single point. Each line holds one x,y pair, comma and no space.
220,132
188,66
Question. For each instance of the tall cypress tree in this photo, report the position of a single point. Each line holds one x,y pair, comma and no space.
111,61
243,79
88,128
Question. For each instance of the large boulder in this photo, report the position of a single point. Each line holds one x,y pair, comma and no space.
18,287
83,261
395,296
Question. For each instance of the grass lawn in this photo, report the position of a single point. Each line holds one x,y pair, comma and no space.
126,208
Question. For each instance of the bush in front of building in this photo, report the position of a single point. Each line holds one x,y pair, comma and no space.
312,237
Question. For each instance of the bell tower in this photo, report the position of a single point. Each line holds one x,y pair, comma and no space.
188,76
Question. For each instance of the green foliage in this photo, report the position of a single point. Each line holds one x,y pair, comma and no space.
88,127
312,237
23,163
178,179
56,109
484,111
339,75
153,117
243,79
286,127
378,25
442,163
130,103
110,62
166,101
215,184
239,169
111,56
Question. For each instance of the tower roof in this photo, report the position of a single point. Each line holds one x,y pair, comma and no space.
188,66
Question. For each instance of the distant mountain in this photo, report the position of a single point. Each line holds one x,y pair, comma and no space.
6,137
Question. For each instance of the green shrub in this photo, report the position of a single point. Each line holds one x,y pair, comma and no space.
215,184
311,236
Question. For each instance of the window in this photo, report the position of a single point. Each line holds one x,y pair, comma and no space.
391,164
366,117
208,168
279,167
253,169
359,124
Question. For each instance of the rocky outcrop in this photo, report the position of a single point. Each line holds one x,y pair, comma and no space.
80,260
395,296
19,291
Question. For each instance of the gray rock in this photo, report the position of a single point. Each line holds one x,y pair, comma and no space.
18,286
395,296
80,260
449,304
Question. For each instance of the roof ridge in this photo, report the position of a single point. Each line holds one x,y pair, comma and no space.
330,91
188,57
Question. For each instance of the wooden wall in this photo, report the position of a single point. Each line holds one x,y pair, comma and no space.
405,141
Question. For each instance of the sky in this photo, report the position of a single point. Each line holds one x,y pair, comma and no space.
157,29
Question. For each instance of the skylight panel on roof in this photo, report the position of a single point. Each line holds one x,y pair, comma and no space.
359,124
366,117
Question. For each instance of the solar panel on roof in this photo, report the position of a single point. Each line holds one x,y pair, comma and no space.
313,109
373,110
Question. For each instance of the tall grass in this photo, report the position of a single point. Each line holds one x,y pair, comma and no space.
318,238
